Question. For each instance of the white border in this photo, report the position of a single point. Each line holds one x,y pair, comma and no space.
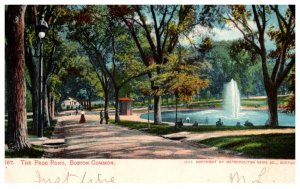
2,40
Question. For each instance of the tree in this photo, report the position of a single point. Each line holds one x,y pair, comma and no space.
282,34
54,16
101,39
225,61
73,76
162,26
182,76
15,60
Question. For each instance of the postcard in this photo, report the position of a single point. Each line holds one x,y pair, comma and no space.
150,93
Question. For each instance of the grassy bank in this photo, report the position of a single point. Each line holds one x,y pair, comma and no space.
249,102
271,146
162,129
275,146
47,131
34,151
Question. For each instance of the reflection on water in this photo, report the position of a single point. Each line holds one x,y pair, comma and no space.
258,117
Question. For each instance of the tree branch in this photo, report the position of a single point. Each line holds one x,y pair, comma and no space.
167,25
259,27
157,33
278,20
246,37
136,40
148,33
286,71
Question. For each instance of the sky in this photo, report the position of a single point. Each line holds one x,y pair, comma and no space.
229,32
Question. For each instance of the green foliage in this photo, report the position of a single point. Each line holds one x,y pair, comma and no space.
275,146
290,105
111,52
225,63
48,131
277,61
181,76
28,100
74,75
155,30
33,152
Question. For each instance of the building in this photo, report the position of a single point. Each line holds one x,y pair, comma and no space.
70,104
125,106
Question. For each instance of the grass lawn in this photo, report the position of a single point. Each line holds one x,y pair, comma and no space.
250,102
162,129
33,152
47,131
275,146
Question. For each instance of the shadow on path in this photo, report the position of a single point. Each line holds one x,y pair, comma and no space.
92,140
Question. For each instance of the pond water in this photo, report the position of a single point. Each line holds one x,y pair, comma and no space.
257,117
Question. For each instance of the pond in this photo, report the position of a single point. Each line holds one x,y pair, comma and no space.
210,117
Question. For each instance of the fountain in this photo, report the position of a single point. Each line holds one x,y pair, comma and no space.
231,114
231,103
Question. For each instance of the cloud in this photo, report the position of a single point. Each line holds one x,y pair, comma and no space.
229,32
226,34
217,34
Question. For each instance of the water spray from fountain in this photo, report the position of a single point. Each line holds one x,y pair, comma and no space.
231,103
231,114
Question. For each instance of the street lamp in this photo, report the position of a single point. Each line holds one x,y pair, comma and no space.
43,27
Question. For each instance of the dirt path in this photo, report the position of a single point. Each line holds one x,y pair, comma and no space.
90,140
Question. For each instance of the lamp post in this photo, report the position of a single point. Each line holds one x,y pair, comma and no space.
43,27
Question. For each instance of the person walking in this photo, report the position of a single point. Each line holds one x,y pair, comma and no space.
101,117
82,118
106,117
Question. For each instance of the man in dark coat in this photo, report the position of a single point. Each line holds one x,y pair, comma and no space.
106,117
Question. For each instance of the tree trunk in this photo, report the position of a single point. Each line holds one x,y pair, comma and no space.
272,103
17,120
157,109
106,100
176,109
270,89
90,104
117,112
32,63
49,103
35,99
45,107
52,108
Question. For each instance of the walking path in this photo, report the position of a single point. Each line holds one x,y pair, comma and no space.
92,140
189,136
